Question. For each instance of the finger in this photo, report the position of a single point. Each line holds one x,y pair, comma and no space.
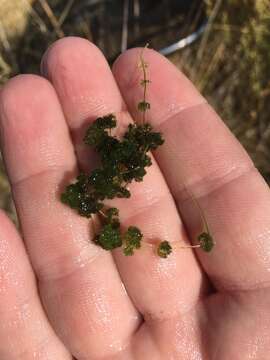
86,89
25,332
79,284
201,154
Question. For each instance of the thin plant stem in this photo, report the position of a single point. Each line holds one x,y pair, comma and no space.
102,213
202,215
175,245
54,21
145,81
124,40
65,12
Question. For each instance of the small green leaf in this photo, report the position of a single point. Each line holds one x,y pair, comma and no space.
78,197
143,106
109,237
94,136
106,122
123,193
145,82
132,240
112,213
112,217
206,241
164,249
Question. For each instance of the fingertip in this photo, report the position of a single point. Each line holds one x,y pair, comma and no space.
25,94
20,95
32,127
21,89
68,51
82,79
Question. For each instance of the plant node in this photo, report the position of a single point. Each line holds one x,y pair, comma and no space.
164,249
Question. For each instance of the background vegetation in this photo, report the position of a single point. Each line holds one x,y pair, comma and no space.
230,63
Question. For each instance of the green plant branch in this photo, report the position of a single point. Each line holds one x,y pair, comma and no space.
123,160
205,238
143,105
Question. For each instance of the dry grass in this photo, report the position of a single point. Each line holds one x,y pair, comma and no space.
231,67
230,64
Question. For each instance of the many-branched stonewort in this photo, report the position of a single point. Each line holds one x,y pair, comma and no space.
122,161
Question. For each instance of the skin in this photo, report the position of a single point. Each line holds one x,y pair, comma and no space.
62,297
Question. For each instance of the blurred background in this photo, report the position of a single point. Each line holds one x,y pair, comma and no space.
222,45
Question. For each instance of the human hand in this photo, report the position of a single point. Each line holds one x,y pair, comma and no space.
61,296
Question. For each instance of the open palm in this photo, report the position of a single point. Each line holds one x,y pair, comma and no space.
62,297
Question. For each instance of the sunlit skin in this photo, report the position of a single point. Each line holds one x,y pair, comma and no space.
63,297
